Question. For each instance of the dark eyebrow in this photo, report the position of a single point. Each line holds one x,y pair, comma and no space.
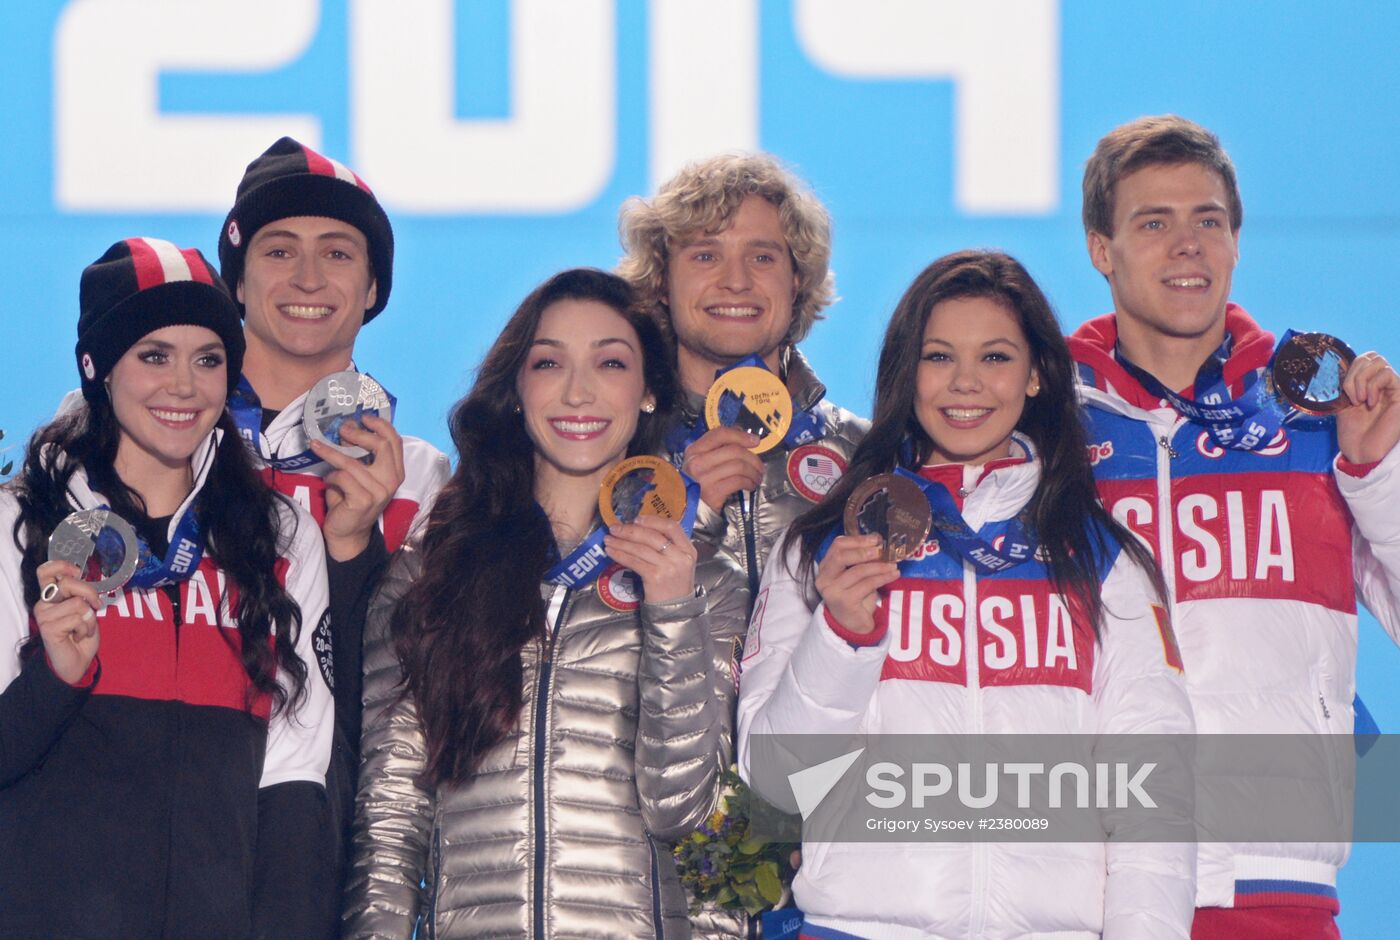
559,344
333,235
163,346
1000,340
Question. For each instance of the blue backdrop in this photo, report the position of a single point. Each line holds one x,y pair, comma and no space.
503,136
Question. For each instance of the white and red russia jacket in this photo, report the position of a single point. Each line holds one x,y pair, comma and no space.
972,653
1265,554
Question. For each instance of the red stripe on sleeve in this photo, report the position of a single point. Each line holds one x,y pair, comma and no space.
149,271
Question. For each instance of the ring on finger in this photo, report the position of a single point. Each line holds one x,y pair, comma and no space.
50,592
665,545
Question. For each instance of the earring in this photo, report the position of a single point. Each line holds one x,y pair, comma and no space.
649,407
516,409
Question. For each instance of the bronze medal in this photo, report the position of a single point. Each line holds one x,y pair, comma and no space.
341,397
641,486
893,507
1308,371
101,543
750,399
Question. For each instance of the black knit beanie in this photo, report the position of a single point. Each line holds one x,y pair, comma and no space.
140,285
291,179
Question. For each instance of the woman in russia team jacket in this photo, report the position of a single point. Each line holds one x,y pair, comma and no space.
975,396
534,740
163,748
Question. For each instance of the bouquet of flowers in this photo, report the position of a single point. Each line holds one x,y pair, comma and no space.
724,863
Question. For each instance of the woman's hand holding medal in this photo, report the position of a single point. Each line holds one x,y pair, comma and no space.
66,618
1370,427
642,500
659,551
849,579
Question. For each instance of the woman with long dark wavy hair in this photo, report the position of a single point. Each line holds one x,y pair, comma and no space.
1029,610
539,726
163,747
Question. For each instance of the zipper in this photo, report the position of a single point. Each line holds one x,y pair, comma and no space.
747,508
972,652
546,675
657,923
434,873
1166,453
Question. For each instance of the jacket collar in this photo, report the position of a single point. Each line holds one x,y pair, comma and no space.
998,489
82,496
1093,343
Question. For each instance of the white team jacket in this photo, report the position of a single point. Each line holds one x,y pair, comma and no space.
800,677
1266,554
136,621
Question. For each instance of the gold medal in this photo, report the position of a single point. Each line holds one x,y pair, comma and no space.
893,507
1308,371
750,399
641,486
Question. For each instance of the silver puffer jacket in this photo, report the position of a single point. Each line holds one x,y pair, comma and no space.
790,485
794,480
565,830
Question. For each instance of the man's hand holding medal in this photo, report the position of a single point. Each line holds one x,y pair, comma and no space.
348,422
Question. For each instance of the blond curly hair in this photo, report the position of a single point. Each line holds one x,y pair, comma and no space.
704,197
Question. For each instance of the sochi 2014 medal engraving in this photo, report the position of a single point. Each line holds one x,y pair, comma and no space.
750,399
893,507
342,397
101,543
641,486
1308,372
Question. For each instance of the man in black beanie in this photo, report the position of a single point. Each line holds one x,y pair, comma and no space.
308,252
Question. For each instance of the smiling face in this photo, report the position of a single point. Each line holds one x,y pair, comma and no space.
730,293
167,392
306,285
975,373
581,390
1170,257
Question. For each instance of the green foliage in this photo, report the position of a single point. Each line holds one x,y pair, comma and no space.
725,864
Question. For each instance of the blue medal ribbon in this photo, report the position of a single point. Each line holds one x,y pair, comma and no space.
1245,423
181,558
955,535
806,426
589,559
246,411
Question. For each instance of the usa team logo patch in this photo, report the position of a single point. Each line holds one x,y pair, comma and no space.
620,588
814,469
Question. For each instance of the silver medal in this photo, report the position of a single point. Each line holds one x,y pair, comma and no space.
342,397
101,543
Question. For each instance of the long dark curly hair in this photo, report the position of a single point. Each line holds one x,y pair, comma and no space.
1073,528
460,629
239,516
